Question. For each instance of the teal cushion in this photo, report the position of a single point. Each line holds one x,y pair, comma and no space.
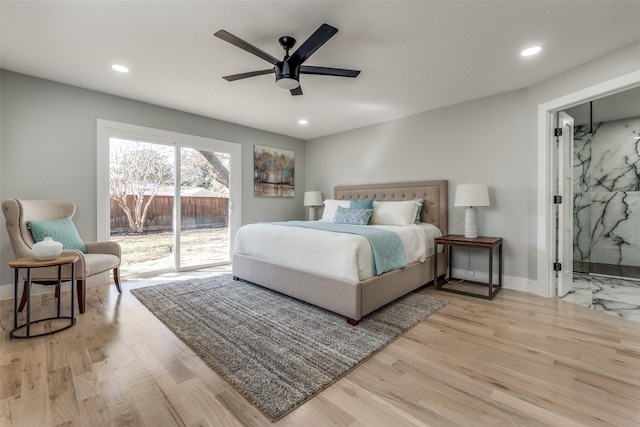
60,230
352,216
421,202
361,204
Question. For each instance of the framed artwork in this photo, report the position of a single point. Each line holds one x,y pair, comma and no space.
273,172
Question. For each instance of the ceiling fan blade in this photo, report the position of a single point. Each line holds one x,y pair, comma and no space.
234,77
327,71
296,91
313,43
230,38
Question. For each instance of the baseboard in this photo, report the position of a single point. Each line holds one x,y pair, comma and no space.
6,291
508,282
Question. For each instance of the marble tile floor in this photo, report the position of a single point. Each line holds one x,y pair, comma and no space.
616,296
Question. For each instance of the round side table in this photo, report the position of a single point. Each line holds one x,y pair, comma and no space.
28,264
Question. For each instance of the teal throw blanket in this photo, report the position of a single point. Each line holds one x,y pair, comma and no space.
387,247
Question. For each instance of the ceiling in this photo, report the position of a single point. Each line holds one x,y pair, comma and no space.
414,56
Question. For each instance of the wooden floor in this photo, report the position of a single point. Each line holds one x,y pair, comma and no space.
519,360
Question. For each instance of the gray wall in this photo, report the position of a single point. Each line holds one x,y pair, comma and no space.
607,67
50,126
477,141
491,140
48,149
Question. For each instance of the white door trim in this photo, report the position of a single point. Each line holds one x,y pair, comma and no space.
545,224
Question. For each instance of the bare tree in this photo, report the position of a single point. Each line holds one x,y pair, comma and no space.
219,171
139,172
204,169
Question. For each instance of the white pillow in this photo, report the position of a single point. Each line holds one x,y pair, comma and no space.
330,208
394,213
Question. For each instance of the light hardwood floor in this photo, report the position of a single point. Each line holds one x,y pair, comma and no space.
519,360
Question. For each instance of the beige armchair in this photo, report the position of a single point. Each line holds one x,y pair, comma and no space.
100,256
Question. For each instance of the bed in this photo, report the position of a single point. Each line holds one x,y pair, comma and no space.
349,296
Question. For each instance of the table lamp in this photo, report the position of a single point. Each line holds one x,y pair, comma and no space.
471,195
311,200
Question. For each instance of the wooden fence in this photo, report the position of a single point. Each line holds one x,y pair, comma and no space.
197,212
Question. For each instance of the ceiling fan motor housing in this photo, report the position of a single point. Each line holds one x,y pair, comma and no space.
287,76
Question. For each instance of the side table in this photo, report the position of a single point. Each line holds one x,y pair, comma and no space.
28,264
489,243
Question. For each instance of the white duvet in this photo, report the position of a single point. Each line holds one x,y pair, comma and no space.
335,255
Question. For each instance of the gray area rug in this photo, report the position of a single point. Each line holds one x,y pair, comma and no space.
277,351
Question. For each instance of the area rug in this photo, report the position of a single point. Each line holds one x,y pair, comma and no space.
275,350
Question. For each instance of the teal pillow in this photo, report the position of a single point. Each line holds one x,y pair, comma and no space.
361,204
421,202
60,230
352,216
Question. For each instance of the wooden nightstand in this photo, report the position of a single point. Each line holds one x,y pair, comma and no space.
489,243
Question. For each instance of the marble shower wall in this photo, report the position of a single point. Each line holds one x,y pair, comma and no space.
607,193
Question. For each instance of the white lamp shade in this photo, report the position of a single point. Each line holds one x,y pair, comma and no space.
472,195
313,198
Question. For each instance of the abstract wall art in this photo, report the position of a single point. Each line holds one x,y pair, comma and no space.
273,172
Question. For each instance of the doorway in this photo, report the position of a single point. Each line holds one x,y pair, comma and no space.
169,199
607,204
605,263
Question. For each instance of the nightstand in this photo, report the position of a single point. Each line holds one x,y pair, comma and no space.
488,243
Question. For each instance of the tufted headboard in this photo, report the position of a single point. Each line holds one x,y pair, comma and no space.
434,193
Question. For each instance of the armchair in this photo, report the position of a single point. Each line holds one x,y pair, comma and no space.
100,256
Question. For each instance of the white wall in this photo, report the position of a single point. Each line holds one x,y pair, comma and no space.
477,141
48,149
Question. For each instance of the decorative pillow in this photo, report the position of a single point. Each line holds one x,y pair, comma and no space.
361,204
420,203
394,213
330,207
60,230
352,216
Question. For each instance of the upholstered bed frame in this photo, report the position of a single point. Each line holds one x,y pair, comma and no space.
357,299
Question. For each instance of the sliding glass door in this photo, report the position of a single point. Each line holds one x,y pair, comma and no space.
169,200
204,208
141,186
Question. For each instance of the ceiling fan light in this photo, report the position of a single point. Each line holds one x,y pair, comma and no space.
287,83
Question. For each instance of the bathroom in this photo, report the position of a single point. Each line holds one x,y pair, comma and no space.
606,204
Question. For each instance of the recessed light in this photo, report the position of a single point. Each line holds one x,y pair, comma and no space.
531,51
303,122
120,68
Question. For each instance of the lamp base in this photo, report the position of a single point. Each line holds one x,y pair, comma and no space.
470,223
312,213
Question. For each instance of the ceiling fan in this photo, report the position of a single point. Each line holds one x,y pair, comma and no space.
288,70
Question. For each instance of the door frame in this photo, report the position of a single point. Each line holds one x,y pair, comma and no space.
546,124
107,129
